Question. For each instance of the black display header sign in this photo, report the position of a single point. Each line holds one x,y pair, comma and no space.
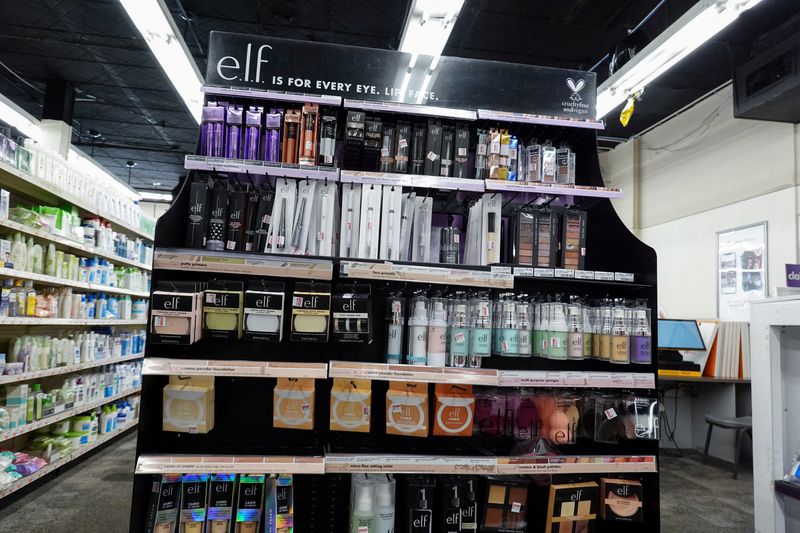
237,60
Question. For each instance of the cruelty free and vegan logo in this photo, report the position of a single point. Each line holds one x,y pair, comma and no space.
575,87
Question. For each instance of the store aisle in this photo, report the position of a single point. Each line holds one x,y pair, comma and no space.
697,498
92,497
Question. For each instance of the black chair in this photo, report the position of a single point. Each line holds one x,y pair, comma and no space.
743,425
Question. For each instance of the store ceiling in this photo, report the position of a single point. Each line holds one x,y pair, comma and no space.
125,97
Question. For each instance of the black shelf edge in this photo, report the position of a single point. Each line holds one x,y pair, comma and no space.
786,488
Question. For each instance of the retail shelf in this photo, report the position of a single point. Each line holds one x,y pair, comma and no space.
412,180
555,189
229,464
423,273
39,189
55,465
527,118
582,464
548,378
66,413
32,321
417,373
409,464
273,95
251,369
411,109
569,274
452,464
260,168
284,266
61,282
71,245
792,490
59,370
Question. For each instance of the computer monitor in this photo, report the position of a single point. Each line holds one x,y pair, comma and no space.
679,335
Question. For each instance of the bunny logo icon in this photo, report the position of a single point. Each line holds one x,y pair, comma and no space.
575,87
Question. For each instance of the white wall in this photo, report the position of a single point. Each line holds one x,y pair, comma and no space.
700,173
154,209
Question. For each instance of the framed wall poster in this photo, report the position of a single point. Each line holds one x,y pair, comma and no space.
741,270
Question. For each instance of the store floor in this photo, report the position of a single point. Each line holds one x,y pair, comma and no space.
94,497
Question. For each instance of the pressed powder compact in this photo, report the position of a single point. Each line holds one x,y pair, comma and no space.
506,506
175,313
223,310
263,311
572,508
622,500
311,309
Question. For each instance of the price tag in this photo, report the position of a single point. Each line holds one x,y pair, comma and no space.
402,143
584,274
432,156
564,273
385,152
623,276
481,149
501,270
543,272
600,275
523,271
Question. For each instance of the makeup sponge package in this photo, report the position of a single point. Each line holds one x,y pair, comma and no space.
263,311
175,309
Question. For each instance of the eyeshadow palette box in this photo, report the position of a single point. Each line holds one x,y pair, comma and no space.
573,239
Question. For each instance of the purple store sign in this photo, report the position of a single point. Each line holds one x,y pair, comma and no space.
792,275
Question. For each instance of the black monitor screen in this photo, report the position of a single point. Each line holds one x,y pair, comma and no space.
679,335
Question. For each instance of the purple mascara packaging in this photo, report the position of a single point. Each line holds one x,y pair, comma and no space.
214,121
272,144
252,135
233,132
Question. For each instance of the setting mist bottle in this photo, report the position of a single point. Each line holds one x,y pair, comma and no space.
574,332
394,330
459,334
421,516
437,333
558,332
418,331
523,328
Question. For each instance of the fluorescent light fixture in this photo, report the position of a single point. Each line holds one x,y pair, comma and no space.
148,196
428,26
155,23
704,20
15,116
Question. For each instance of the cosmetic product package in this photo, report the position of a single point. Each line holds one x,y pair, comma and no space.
272,136
263,216
197,225
176,313
455,408
327,140
437,332
423,214
641,348
162,511
263,311
545,231
493,154
490,412
293,404
418,315
415,504
572,508
402,147
194,492
387,148
522,233
461,152
349,228
491,230
279,504
448,151
218,216
237,205
291,134
320,239
418,144
354,138
283,214
369,228
505,153
298,238
549,167
395,326
481,154
452,491
311,307
573,247
621,500
641,418
562,163
473,242
233,132
533,164
506,506
249,501
373,139
308,135
513,159
391,215
223,310
407,409
449,245
188,404
5,201
252,132
433,148
212,140
406,224
221,494
351,403
352,316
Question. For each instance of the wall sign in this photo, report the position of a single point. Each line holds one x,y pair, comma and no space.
741,270
237,60
792,275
